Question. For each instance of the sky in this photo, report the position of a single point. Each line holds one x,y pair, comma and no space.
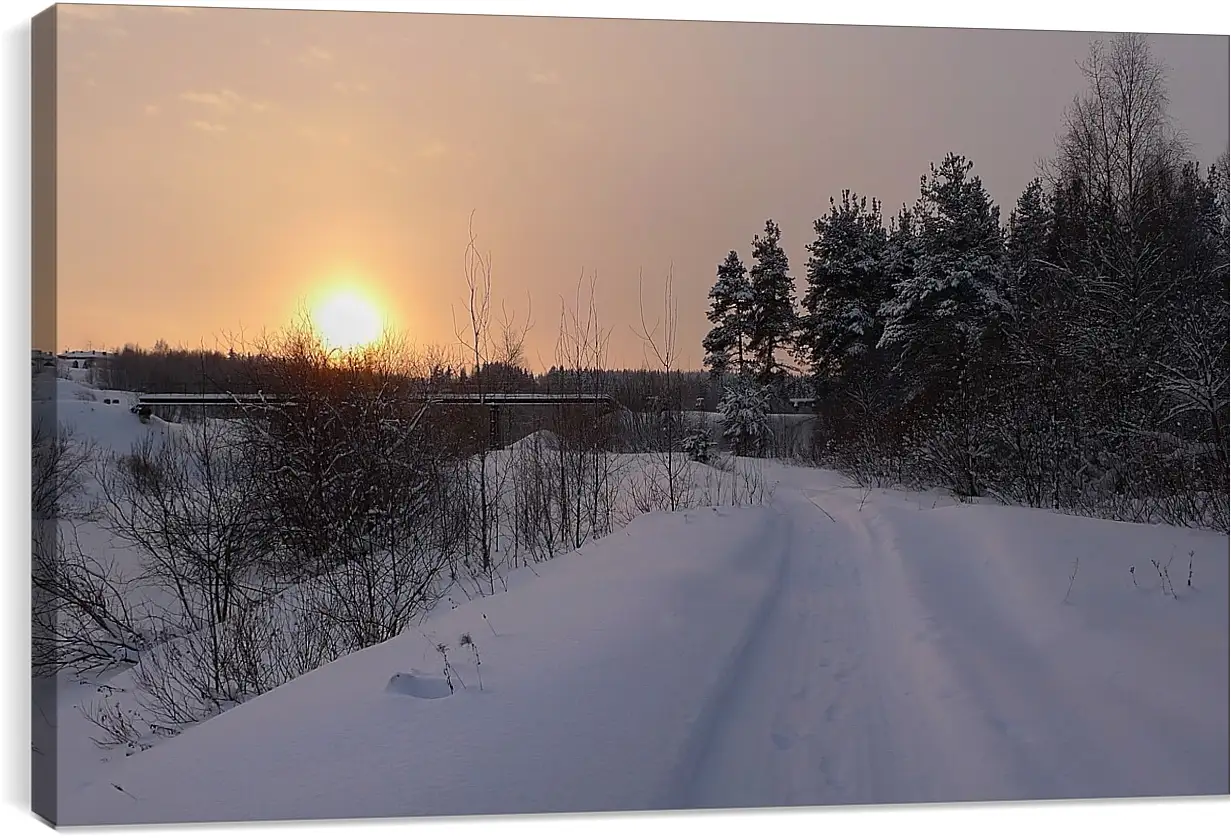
220,169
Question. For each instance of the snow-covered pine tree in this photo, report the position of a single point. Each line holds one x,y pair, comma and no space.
1041,299
950,312
840,324
745,415
730,303
1037,413
772,316
698,445
1026,248
902,251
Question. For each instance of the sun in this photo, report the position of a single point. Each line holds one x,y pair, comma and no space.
347,320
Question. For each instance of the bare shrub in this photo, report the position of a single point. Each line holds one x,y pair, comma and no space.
667,483
87,616
59,466
741,483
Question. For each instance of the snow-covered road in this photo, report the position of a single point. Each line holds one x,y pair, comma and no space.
919,655
833,648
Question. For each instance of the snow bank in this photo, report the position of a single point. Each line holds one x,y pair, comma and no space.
593,677
843,646
537,440
111,426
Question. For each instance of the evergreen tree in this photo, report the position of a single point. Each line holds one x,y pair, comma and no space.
1220,183
1026,247
772,320
949,314
1196,240
840,324
745,416
730,304
1076,359
903,250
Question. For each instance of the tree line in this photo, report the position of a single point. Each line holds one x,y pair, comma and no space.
1074,358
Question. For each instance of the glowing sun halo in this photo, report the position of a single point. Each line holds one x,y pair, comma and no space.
347,320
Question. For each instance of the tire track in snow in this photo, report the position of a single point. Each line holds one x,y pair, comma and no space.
775,737
681,788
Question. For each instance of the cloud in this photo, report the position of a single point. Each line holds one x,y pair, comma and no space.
549,77
151,110
208,127
316,55
226,101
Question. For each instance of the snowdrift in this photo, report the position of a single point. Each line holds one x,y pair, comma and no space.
835,647
577,710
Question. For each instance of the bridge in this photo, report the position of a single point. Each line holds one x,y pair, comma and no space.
506,412
494,399
202,399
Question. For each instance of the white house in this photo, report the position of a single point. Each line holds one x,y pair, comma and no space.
84,358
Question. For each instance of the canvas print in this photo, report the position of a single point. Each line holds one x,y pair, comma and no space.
456,415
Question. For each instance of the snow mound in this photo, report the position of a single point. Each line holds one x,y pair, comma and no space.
418,685
542,439
103,417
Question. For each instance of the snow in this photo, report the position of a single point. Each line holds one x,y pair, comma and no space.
570,702
113,427
535,441
836,646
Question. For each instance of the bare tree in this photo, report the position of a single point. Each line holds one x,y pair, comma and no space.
585,475
1193,381
511,341
399,552
475,337
1119,134
87,615
59,462
296,441
189,507
670,486
82,609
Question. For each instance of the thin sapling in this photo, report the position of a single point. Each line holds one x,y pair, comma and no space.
449,672
467,641
1072,577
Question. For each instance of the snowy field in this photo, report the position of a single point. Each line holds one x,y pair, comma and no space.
831,646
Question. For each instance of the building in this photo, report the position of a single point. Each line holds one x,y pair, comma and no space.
85,358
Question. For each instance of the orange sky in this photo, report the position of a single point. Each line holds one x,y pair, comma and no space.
216,167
